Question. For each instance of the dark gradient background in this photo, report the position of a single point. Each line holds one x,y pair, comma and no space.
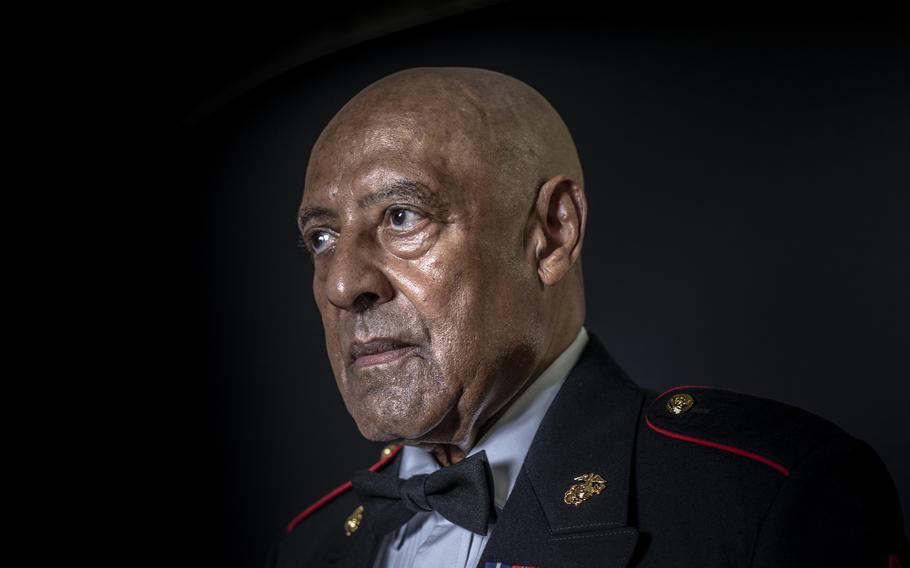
748,190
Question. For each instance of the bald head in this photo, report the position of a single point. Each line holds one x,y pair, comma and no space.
480,117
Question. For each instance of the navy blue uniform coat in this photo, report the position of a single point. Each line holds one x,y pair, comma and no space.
737,480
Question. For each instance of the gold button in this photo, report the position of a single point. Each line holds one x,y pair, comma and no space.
679,403
387,451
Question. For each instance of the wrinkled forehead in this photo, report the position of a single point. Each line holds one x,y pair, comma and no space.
444,149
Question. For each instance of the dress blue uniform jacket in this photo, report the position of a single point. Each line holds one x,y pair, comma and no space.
733,480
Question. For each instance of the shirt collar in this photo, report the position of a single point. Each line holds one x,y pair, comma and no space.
507,441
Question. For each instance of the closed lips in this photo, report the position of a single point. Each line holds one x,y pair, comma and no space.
376,346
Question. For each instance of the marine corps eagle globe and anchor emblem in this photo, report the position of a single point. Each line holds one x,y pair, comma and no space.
591,485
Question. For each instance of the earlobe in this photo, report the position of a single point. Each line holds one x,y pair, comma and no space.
561,212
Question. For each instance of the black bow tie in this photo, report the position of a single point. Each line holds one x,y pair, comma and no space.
462,493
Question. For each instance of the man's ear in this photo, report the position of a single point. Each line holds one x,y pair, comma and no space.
559,218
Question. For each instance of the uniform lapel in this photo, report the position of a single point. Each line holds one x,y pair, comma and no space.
590,427
359,549
362,549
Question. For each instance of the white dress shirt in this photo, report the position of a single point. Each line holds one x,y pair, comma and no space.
428,539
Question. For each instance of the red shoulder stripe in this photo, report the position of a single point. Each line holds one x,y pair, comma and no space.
338,491
723,447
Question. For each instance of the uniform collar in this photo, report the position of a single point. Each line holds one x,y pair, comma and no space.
590,427
507,441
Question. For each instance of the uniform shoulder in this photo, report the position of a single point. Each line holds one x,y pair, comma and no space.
768,431
327,528
388,454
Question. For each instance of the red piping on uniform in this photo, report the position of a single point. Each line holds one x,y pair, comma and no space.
723,447
337,491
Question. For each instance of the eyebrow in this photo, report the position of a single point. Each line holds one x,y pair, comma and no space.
399,189
308,214
403,189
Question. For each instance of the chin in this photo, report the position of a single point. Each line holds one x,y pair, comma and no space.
408,402
376,433
392,419
383,430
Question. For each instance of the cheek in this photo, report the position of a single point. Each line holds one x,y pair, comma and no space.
492,309
429,284
443,295
466,289
458,320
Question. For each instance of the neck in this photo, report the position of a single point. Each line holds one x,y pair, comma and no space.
450,454
447,454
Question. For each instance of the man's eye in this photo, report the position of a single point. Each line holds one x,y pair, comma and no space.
404,219
320,240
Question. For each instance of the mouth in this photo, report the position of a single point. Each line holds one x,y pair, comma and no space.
379,351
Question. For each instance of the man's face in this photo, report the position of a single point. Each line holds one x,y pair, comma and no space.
422,277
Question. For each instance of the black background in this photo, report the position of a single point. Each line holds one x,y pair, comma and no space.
748,187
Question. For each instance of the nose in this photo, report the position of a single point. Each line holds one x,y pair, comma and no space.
354,280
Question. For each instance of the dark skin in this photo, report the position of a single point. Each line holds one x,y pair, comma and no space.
445,213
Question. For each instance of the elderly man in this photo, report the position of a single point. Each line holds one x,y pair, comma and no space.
445,212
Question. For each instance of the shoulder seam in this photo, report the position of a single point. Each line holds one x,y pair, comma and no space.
731,449
843,438
826,429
